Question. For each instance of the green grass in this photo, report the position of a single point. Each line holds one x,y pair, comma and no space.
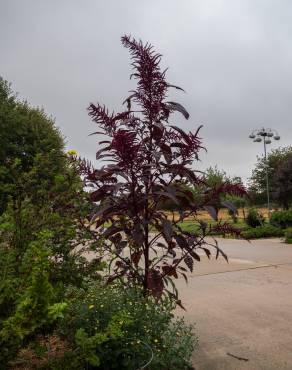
193,227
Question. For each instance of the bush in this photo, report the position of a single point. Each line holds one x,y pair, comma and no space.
28,139
265,231
282,219
31,307
110,327
254,218
288,235
38,258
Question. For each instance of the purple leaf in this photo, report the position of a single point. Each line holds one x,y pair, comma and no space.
212,212
167,229
176,87
177,107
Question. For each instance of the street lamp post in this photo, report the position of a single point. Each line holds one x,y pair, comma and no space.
265,135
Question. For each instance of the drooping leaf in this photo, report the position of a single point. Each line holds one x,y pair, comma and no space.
189,262
167,229
206,250
228,204
195,255
176,87
97,133
162,245
178,107
181,241
184,276
179,303
167,195
129,98
100,151
169,271
212,212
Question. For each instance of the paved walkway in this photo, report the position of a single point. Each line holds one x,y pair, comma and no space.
242,310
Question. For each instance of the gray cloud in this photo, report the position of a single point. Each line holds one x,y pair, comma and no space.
233,57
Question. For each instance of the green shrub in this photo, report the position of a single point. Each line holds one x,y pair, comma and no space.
38,258
254,218
33,308
265,231
282,219
288,235
114,328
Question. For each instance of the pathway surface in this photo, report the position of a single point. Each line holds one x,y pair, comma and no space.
243,309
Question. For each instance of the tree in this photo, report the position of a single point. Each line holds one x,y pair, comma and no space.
257,183
40,187
42,237
27,136
215,178
283,182
150,161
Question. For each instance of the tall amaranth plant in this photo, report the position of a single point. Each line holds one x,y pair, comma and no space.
149,160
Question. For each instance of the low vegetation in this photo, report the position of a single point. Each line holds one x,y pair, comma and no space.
264,231
288,235
282,219
115,328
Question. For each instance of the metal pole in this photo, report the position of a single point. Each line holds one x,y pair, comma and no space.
258,136
267,179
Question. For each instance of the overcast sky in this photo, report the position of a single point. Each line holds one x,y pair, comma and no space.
233,58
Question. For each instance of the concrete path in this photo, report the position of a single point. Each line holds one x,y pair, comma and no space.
242,310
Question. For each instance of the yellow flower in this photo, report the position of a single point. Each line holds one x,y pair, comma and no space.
91,306
72,152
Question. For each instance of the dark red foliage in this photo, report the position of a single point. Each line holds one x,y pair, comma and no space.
225,229
155,282
101,116
232,189
125,147
148,161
